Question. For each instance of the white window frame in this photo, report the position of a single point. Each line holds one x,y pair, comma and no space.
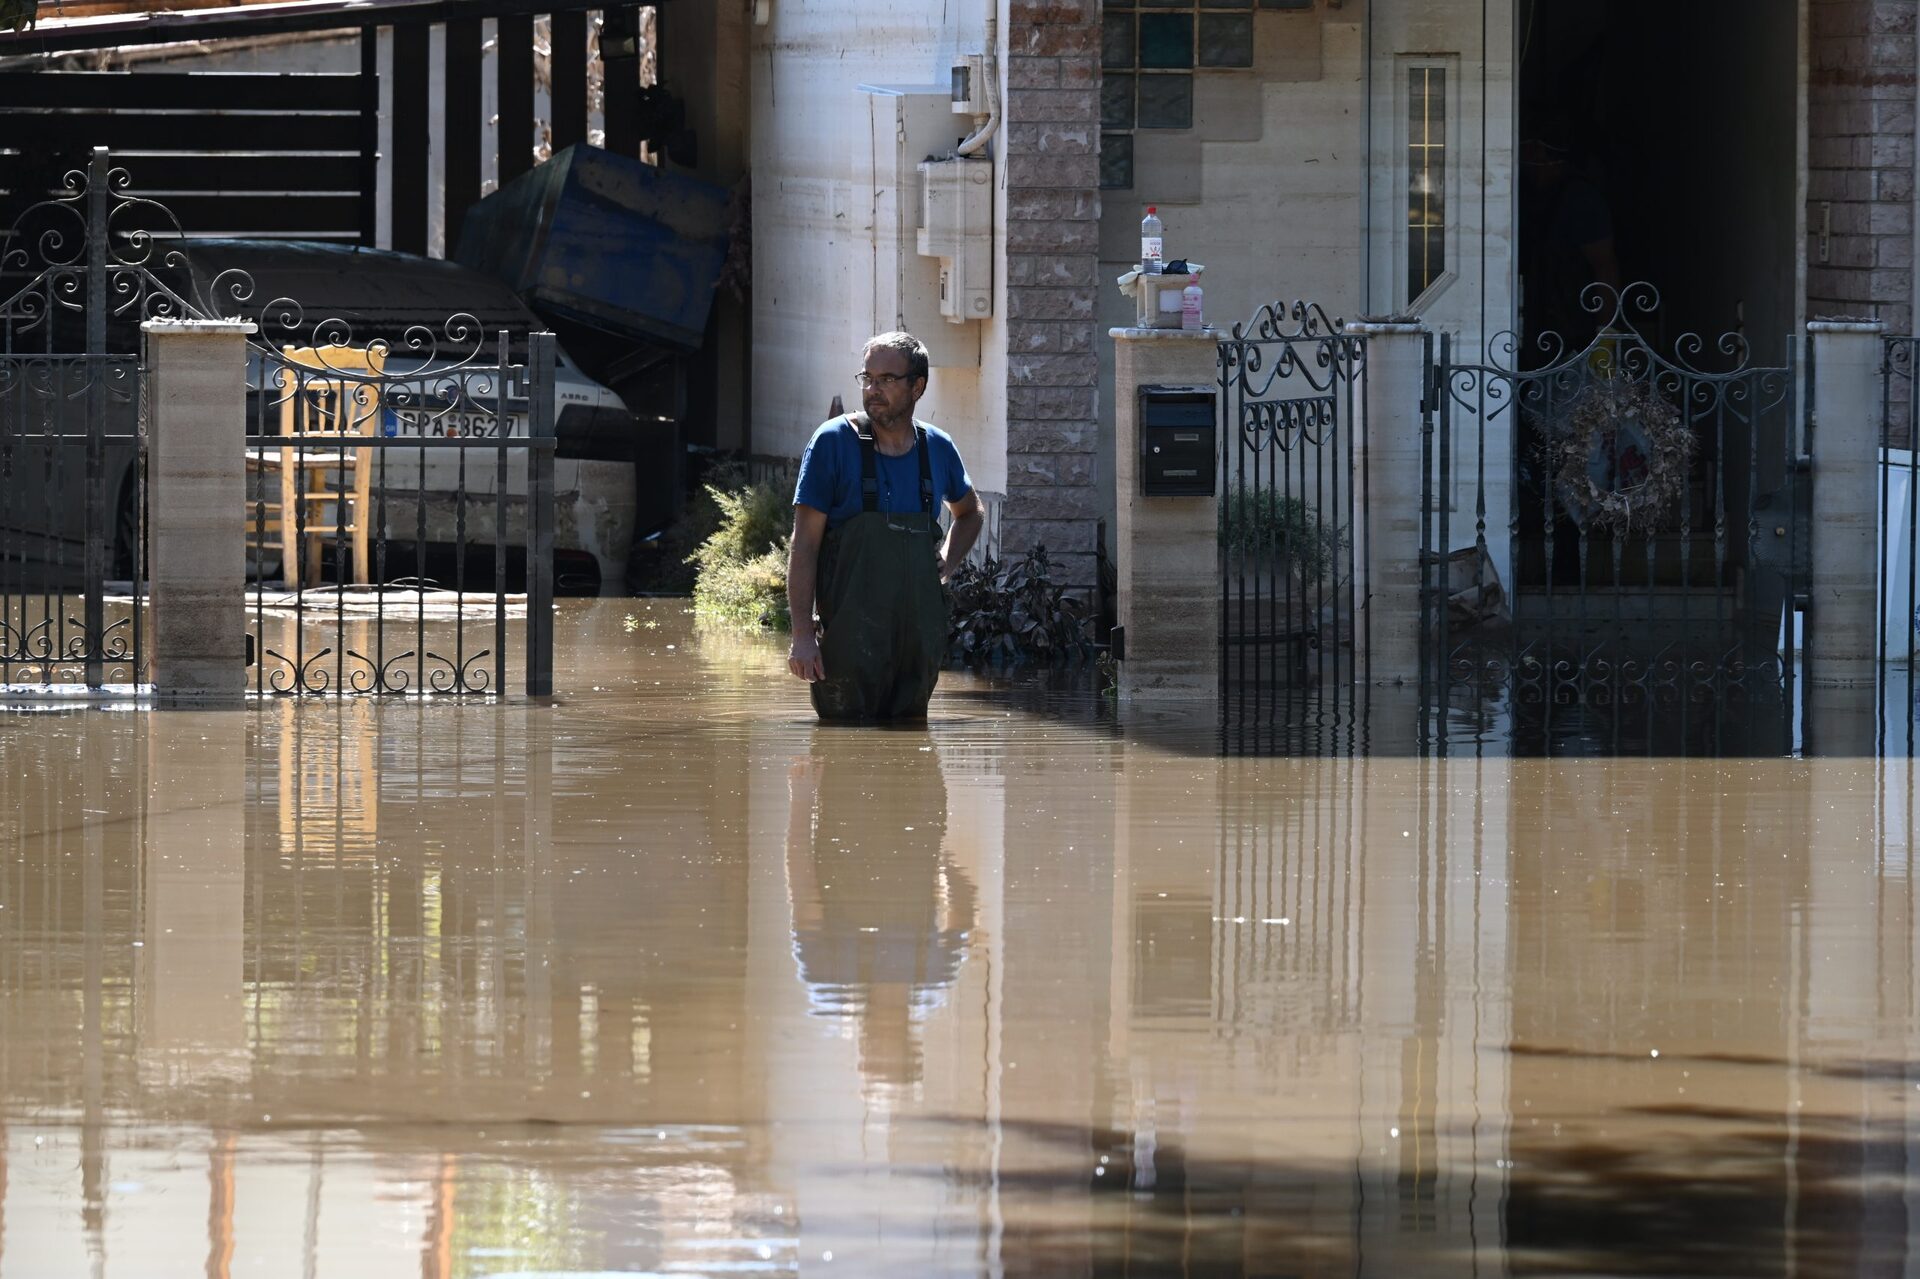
1403,67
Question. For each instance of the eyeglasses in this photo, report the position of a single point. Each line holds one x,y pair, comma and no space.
885,381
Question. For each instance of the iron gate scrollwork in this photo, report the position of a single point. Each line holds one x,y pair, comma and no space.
1635,519
1287,489
368,462
80,270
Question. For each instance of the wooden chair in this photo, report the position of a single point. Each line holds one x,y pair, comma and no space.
328,488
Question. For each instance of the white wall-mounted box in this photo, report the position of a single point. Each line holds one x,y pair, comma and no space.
956,226
910,124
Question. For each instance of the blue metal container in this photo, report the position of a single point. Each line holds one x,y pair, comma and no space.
605,241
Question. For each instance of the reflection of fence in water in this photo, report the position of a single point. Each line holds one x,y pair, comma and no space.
1286,886
329,782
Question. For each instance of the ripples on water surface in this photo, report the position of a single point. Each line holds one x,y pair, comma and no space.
667,979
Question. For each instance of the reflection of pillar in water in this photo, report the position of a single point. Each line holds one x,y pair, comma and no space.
193,957
537,857
1431,1133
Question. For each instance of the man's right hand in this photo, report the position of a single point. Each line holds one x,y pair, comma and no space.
803,659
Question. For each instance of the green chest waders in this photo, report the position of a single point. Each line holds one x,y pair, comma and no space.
883,614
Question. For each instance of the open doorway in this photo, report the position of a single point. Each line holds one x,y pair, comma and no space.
1659,147
1679,124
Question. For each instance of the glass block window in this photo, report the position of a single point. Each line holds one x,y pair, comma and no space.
1150,52
1426,178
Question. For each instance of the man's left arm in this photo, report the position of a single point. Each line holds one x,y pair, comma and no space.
969,517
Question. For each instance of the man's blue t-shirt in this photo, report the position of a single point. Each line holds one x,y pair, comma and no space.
830,473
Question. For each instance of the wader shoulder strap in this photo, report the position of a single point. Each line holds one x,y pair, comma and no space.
869,477
926,469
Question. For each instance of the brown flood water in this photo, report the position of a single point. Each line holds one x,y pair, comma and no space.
668,980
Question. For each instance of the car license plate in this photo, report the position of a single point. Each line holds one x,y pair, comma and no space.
453,424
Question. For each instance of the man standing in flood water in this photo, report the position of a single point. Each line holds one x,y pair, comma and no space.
867,554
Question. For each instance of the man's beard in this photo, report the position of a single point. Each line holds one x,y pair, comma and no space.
884,418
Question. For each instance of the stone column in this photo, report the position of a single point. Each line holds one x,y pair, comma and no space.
1386,520
1051,115
196,535
1167,548
1842,647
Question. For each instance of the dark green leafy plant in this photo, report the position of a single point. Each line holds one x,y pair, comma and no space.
1015,612
741,577
1262,522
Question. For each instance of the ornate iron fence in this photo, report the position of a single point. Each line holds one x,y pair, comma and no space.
398,469
1642,520
1287,485
79,271
418,476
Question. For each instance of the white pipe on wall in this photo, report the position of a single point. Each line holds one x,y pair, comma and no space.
991,74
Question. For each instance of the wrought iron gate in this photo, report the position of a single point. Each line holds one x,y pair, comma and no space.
447,434
79,271
418,476
1287,499
1639,535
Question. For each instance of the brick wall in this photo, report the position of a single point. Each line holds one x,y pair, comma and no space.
1053,225
1860,159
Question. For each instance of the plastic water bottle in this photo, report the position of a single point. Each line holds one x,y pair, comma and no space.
1152,258
1190,297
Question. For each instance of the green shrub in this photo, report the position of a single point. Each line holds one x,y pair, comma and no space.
741,568
1262,522
1014,613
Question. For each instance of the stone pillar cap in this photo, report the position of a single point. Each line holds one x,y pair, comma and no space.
1208,334
172,324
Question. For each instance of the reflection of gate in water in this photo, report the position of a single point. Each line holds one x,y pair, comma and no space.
1656,540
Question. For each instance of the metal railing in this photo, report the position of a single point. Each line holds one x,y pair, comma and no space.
421,484
1289,488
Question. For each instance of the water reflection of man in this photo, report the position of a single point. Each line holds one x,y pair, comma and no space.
880,913
1566,238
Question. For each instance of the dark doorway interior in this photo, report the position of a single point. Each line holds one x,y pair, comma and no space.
1659,144
1683,118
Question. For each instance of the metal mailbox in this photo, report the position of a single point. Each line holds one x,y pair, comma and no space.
1177,447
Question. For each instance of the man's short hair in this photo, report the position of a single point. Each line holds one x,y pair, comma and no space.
906,344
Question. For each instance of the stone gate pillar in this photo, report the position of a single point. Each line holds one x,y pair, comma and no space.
1167,549
196,533
1844,618
1386,520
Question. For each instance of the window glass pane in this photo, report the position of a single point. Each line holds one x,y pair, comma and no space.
1166,40
1286,4
1116,161
1426,178
1116,41
1226,4
1226,40
1166,4
1166,102
1116,101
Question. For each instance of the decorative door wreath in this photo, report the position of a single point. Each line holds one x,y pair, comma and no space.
1623,458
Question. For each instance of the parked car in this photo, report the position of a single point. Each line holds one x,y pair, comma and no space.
359,296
